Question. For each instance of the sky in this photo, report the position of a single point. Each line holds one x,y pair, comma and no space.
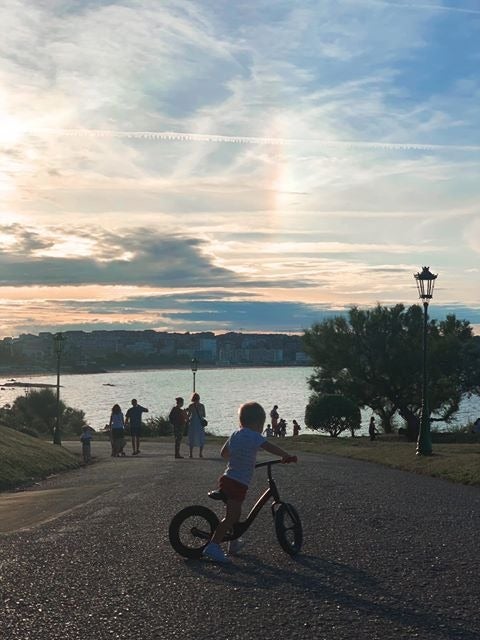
254,165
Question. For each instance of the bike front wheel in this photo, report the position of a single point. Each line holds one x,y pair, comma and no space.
191,529
288,528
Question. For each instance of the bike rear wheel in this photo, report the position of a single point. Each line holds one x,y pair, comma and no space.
191,529
288,528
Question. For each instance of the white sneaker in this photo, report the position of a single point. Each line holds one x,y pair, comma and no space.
235,546
214,552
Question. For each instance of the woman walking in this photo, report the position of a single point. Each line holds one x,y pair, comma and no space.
117,431
196,425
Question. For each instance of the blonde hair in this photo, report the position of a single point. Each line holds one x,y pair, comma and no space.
251,413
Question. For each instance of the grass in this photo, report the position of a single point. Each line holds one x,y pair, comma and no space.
455,462
24,459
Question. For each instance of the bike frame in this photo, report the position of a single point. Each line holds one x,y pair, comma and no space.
272,492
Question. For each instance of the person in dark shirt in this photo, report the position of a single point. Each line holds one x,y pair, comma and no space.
133,419
178,419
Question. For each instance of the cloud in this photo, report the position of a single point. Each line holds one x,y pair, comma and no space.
140,257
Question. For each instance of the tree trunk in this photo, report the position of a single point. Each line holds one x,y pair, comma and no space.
386,416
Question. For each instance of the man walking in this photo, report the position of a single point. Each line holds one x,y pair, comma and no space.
133,418
178,419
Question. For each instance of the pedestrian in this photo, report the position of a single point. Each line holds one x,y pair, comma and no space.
371,429
133,418
274,416
86,439
296,428
282,428
178,419
196,425
241,451
117,431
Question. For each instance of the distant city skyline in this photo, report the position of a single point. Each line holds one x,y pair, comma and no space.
186,166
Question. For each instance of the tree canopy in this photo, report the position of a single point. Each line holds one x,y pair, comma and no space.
374,357
332,413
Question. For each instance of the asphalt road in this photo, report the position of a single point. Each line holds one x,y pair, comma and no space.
386,555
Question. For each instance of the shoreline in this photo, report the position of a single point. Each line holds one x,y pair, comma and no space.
16,375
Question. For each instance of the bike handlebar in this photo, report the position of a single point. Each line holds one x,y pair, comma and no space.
282,461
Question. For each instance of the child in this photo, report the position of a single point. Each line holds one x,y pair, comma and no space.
241,451
86,439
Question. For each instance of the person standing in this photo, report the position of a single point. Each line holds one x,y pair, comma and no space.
178,419
196,425
274,416
133,419
296,428
117,429
372,432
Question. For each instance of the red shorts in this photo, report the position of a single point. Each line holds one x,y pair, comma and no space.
232,488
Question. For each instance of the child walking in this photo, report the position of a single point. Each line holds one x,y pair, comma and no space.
241,452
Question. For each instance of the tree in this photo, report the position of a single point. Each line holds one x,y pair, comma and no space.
332,414
374,357
36,412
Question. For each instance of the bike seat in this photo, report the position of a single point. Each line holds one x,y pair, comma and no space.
217,494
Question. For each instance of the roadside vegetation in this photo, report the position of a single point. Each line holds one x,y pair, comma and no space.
25,459
35,414
454,462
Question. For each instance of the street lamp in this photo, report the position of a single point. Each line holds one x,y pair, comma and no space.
58,345
425,283
194,371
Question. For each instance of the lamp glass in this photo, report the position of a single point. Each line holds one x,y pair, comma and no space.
425,283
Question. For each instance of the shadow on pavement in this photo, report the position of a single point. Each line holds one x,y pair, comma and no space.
322,580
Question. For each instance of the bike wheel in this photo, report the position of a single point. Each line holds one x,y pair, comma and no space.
191,529
288,528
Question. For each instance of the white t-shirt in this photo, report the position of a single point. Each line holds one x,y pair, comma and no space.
243,446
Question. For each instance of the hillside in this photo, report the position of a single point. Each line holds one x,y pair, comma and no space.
23,458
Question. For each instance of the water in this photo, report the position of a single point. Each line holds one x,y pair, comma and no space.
221,390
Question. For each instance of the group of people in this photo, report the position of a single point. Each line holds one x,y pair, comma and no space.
191,421
119,422
278,426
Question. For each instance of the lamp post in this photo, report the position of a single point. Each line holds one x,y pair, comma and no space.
425,283
58,345
194,371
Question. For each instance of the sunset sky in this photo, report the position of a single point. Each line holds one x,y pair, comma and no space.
252,165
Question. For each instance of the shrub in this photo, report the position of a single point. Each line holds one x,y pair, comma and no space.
36,411
157,426
332,414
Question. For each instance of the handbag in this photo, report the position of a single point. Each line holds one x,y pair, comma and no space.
204,421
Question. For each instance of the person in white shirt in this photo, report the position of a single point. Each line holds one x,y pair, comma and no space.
241,452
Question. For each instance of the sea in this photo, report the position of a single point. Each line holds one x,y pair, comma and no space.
222,391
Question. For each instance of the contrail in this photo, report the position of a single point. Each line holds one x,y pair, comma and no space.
431,7
201,137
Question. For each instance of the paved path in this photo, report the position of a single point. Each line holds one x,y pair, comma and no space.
386,555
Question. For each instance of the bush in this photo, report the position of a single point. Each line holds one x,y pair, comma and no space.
157,426
332,414
36,412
